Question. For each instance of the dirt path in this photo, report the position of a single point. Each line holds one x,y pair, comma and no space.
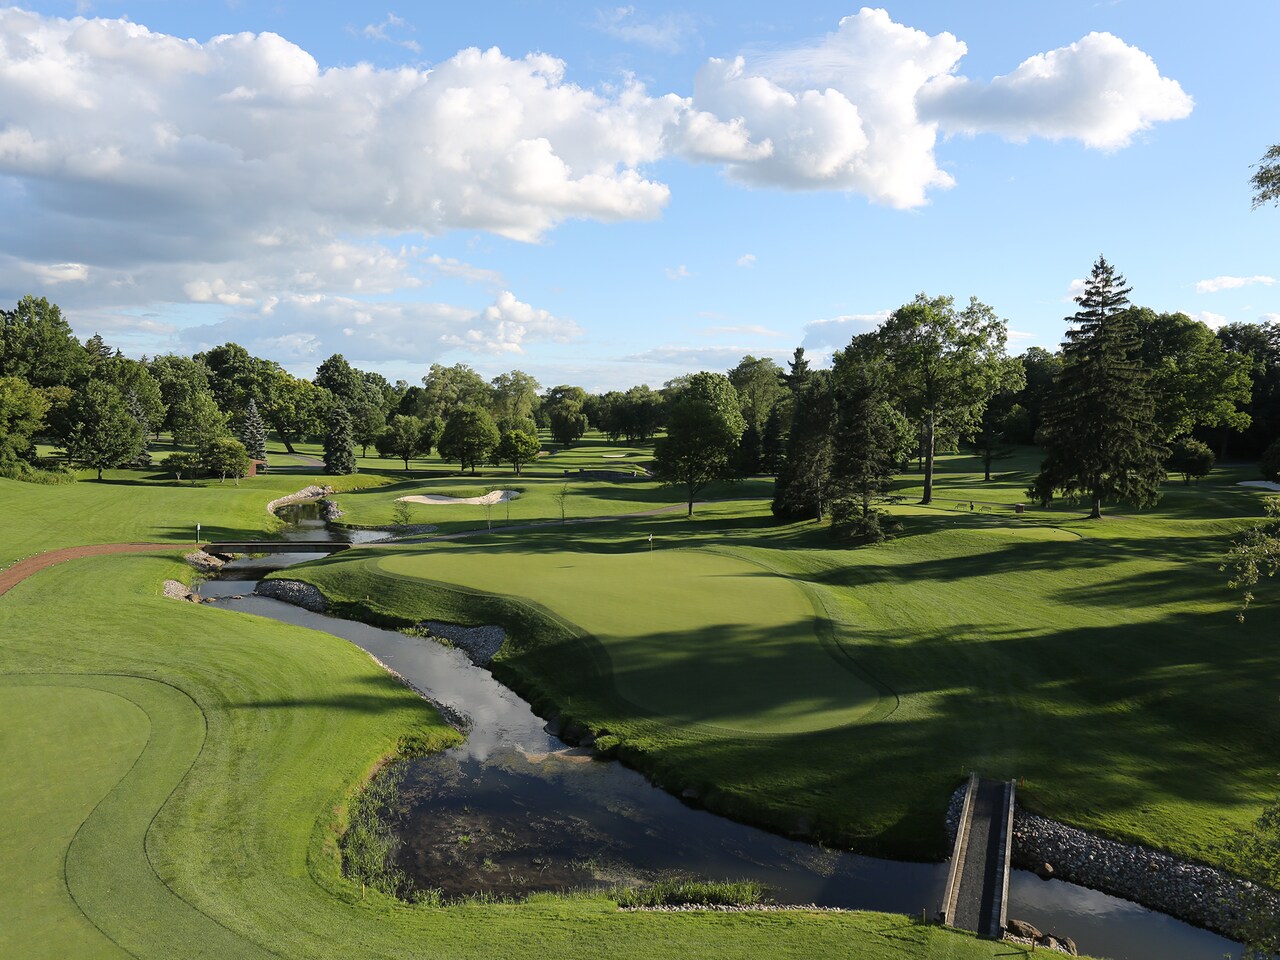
14,574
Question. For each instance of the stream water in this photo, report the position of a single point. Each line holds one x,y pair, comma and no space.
513,810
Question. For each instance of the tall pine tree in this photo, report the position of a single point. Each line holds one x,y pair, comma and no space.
254,433
1099,433
339,457
803,484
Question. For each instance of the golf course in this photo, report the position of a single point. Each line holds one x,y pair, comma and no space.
178,775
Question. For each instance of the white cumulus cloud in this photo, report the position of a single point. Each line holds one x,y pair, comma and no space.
1098,90
1231,283
747,260
836,332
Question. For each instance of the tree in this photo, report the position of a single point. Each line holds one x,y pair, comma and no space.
773,442
518,447
1254,555
406,438
1191,458
225,456
180,463
804,481
750,451
447,388
797,375
293,406
197,420
22,412
945,366
1040,368
340,379
339,457
104,434
469,436
1194,381
1269,463
703,430
988,441
515,395
1258,345
1266,181
254,433
236,377
760,384
139,388
37,344
1100,434
567,420
367,421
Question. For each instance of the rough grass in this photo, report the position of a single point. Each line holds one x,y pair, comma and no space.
176,777
1097,662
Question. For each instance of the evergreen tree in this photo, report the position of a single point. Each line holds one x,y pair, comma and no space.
804,481
797,375
1099,433
339,455
103,434
773,444
254,434
869,441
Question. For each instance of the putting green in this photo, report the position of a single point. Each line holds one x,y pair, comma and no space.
690,634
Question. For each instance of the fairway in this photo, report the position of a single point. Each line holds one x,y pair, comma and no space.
692,634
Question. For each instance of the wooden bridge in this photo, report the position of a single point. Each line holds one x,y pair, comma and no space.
275,546
977,893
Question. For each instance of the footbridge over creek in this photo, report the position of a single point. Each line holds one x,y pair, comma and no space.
977,892
275,546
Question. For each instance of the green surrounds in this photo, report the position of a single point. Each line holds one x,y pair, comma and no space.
125,508
176,777
1098,662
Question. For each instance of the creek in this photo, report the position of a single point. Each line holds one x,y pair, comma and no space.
514,810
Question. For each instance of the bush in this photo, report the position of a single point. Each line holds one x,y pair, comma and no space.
702,893
1191,458
26,473
1270,462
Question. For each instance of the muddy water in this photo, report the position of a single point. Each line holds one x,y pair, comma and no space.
514,810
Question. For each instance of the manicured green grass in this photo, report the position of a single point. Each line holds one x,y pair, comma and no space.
176,777
142,506
690,635
1098,662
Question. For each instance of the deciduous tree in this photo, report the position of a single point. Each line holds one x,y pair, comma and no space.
944,366
703,429
518,447
104,434
469,436
22,412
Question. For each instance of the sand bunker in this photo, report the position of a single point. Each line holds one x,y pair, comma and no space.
614,456
494,496
1265,484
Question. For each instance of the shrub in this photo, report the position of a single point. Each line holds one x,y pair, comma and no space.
26,473
703,893
1191,458
1270,462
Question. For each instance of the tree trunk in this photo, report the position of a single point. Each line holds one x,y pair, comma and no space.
287,445
99,473
1097,507
406,464
929,440
986,465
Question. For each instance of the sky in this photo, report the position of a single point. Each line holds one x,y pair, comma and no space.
610,195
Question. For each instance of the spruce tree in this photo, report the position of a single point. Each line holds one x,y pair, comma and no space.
1099,433
869,439
339,455
804,481
773,443
254,434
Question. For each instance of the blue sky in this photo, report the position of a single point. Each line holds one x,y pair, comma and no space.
613,198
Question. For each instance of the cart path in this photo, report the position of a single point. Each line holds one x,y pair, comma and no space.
15,573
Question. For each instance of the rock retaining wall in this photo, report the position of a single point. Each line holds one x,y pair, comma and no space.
480,644
313,492
1193,892
300,594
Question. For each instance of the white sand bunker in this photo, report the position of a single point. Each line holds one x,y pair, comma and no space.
493,496
1264,484
614,456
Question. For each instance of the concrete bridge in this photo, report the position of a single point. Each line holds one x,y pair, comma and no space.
275,546
977,893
